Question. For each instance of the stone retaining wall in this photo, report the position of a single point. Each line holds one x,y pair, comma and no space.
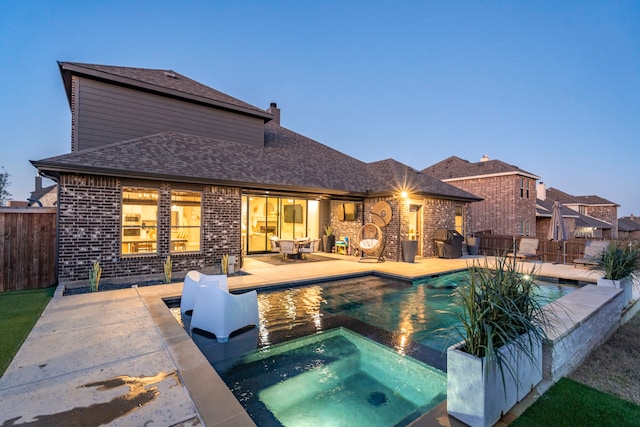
581,322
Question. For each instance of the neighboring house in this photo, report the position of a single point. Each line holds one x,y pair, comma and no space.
508,192
598,217
163,165
629,227
544,207
43,196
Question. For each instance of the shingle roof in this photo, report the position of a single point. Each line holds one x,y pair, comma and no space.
589,221
37,194
565,198
167,82
593,200
391,175
455,167
287,162
544,207
627,224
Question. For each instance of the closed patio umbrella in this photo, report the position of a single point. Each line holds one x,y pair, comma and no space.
557,229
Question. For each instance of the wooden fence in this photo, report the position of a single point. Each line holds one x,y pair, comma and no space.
27,248
549,251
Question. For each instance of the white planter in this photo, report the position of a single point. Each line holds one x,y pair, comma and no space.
625,284
231,265
478,396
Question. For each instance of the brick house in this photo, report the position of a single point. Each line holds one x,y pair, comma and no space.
508,193
597,218
163,165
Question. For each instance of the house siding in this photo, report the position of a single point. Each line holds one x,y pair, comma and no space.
110,113
502,210
89,231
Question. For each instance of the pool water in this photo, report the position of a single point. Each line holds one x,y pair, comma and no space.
334,378
418,312
295,367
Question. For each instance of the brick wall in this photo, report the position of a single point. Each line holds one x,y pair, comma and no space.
503,209
348,229
89,231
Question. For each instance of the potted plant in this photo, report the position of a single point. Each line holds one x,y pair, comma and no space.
499,360
619,264
328,240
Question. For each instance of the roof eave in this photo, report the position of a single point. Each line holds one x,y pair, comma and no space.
461,178
54,170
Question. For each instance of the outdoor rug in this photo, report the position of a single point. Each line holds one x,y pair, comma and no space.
277,259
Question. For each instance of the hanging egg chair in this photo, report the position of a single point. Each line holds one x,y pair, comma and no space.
370,239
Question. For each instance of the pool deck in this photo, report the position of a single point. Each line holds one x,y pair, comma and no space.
119,358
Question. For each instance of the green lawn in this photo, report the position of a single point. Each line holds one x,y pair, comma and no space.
569,403
19,312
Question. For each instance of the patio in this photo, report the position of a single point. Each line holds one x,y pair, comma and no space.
120,357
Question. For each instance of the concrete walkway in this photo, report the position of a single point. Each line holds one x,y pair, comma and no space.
119,358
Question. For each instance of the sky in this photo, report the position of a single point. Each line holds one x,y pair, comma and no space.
552,87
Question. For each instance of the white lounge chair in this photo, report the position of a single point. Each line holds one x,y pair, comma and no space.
192,282
221,313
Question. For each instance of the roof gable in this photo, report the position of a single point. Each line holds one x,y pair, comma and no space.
165,82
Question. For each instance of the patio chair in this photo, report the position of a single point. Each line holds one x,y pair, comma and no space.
218,312
274,240
527,249
288,247
369,239
592,251
310,247
192,282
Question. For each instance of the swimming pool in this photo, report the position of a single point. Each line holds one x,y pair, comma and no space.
408,317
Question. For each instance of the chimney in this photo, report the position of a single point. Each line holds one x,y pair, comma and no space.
275,111
485,158
541,191
38,182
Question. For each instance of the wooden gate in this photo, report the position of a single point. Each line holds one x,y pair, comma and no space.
27,248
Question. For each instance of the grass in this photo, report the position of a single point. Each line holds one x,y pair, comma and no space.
569,403
19,312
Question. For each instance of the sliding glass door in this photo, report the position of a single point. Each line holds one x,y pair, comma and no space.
286,218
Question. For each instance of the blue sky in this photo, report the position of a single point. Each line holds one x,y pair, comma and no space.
552,87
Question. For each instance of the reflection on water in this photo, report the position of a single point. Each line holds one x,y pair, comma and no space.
418,312
411,311
283,310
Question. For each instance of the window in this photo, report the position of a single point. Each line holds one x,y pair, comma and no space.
521,187
527,231
459,220
527,189
139,220
185,221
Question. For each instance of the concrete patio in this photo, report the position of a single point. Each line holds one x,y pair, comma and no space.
120,358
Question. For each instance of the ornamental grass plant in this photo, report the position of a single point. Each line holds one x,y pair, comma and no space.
499,305
619,260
